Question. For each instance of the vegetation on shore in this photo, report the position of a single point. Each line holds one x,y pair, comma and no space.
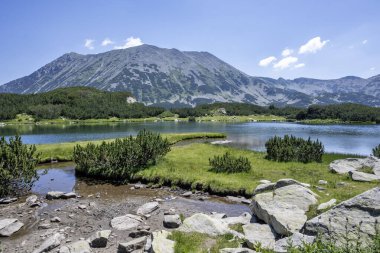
376,151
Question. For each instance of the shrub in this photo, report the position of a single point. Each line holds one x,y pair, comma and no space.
17,166
376,151
229,164
291,148
122,158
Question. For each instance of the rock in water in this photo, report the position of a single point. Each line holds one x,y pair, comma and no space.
99,239
9,226
50,243
296,240
205,224
54,195
126,222
259,233
284,208
363,209
161,243
76,247
147,208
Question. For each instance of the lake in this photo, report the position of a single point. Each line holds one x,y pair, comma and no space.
351,139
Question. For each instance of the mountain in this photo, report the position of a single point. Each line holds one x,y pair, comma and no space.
169,77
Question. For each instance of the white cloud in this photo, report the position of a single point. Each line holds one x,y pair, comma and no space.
286,52
300,65
89,44
107,42
130,42
266,61
312,46
364,42
285,62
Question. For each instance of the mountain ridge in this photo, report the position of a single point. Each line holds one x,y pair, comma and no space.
158,75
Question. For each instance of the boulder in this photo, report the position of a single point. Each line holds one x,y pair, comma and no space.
69,195
147,208
76,247
187,194
259,233
55,219
263,188
9,226
205,224
322,182
126,222
363,177
172,221
218,215
135,244
99,239
54,195
326,205
160,243
362,210
296,240
289,181
50,243
244,218
7,200
236,250
264,181
284,208
31,200
343,166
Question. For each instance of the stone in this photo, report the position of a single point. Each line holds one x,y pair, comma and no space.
50,243
54,195
187,194
69,195
160,243
7,200
139,233
236,250
239,199
135,244
9,226
322,182
44,226
363,177
343,166
259,233
284,208
76,247
172,221
264,181
363,209
326,205
244,218
148,208
289,181
82,207
126,222
296,240
31,200
218,215
263,188
55,219
148,244
99,239
205,224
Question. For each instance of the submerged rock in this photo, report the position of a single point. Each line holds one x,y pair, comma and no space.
360,211
9,226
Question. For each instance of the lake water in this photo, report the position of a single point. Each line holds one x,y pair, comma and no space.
352,139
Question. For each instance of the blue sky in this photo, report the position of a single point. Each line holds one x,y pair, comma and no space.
326,39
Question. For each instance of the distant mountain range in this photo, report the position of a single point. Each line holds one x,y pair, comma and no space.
169,77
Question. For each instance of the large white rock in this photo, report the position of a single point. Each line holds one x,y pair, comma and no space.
126,222
326,205
160,243
296,240
263,188
76,247
50,243
363,177
236,250
205,224
147,208
9,226
343,166
259,233
284,208
363,209
244,218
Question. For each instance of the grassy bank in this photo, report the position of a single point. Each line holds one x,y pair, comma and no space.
64,151
334,122
188,166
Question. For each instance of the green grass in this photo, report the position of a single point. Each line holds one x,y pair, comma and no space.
241,118
64,151
188,166
333,122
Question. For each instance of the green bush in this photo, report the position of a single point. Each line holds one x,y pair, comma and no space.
229,164
376,151
291,148
17,166
122,158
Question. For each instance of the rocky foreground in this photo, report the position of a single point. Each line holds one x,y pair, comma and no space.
277,215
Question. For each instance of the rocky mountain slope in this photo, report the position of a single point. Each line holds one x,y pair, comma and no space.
172,77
